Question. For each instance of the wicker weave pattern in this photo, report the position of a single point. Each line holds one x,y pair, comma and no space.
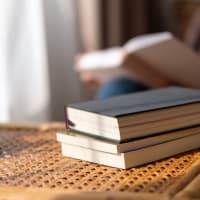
32,158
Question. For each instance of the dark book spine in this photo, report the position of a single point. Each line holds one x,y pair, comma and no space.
68,123
66,117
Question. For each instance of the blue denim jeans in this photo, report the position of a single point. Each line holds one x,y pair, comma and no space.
119,86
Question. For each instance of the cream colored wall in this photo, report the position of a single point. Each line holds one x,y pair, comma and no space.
61,47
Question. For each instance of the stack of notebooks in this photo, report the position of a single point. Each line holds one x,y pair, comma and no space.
134,129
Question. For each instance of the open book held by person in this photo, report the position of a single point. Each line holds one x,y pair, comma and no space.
154,60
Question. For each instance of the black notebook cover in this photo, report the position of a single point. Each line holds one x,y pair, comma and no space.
140,102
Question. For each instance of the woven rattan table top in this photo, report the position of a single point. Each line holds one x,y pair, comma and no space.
30,157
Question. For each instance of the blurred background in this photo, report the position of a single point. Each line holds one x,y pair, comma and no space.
40,40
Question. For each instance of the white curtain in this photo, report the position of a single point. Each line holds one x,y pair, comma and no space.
23,61
25,64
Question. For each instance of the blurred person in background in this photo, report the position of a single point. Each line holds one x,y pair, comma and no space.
113,23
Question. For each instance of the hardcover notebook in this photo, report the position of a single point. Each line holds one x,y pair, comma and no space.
136,115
